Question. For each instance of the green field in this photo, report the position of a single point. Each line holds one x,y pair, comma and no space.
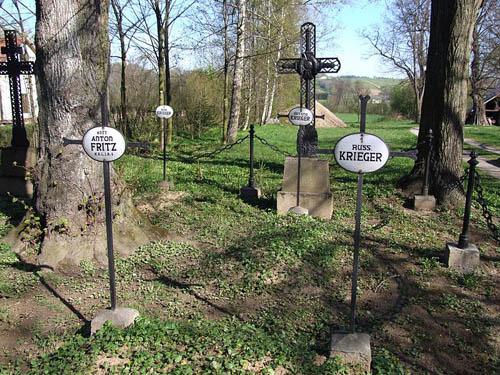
234,288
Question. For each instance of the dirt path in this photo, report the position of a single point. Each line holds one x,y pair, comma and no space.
486,163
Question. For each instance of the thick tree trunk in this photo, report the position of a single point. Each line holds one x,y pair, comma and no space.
445,97
72,65
234,114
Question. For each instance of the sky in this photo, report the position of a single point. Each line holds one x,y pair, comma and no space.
355,54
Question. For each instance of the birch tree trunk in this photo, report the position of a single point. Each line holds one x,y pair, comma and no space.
234,114
225,100
72,65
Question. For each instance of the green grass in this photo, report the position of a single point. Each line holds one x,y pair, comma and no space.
247,291
489,135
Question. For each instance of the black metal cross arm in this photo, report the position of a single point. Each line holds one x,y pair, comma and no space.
288,66
15,69
329,65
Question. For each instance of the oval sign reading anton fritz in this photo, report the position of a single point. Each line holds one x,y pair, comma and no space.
361,153
164,111
104,143
300,116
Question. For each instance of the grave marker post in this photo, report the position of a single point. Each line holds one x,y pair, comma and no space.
15,160
358,153
106,144
164,112
14,68
316,197
307,67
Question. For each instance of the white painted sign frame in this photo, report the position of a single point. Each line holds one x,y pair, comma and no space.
361,153
300,116
103,143
164,111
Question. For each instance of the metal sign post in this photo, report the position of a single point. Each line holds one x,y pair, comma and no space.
360,153
164,112
301,117
105,144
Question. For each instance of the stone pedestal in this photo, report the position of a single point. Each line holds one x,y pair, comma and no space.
463,260
250,193
315,194
352,348
167,185
120,317
424,203
15,161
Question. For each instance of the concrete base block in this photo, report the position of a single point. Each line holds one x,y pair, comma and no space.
121,317
297,210
314,175
315,195
424,203
318,205
352,348
167,185
463,260
247,192
17,186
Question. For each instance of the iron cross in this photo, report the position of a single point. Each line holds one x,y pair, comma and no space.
308,66
14,67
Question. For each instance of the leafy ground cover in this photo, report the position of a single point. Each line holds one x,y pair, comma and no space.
236,289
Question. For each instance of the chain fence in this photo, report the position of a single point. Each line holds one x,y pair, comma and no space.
446,186
272,147
485,209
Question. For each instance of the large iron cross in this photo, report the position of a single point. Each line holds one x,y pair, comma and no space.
308,66
14,67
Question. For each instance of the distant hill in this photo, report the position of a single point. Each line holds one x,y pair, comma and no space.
379,88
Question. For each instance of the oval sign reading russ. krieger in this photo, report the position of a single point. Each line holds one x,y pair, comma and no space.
300,116
361,153
103,143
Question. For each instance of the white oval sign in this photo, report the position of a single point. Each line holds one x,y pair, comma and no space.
164,111
104,143
361,153
300,116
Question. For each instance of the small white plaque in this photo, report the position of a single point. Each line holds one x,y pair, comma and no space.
361,153
164,111
104,143
300,116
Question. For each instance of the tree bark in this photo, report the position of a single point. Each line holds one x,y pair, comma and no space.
72,65
124,124
225,100
445,98
476,81
234,114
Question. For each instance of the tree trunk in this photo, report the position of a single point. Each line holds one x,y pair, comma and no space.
72,65
226,72
234,114
170,125
445,98
476,82
124,125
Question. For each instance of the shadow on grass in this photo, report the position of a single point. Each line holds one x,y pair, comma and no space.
38,272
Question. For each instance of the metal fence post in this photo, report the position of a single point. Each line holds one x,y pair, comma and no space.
463,241
251,179
425,188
